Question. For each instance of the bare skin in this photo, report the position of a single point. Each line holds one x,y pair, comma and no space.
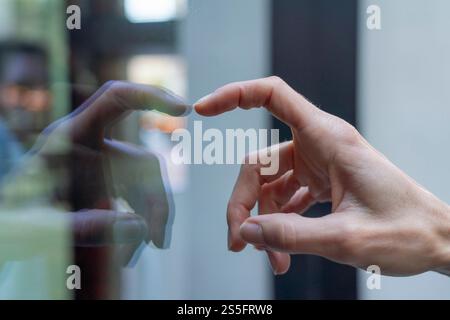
379,214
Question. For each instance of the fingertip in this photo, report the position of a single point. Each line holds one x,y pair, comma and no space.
252,233
235,244
279,262
203,107
200,109
129,229
176,109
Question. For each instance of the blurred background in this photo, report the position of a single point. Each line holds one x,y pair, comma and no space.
391,83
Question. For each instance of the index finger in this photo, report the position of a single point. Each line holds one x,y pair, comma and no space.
272,93
116,99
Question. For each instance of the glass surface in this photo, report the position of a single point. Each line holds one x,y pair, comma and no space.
92,203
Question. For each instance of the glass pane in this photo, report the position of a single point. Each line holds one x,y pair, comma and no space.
113,187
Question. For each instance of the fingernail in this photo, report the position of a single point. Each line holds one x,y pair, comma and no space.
274,271
129,231
272,265
202,100
252,232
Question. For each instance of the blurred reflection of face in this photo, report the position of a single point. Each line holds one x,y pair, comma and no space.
24,81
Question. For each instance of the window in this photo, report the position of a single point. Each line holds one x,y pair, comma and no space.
139,11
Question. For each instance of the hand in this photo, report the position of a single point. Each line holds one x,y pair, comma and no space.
380,216
103,169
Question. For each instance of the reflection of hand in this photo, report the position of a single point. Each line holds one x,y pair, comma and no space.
30,234
103,227
380,215
102,168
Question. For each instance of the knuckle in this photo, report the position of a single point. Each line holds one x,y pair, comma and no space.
116,88
107,84
276,81
112,85
338,130
281,236
347,243
119,93
346,132
112,89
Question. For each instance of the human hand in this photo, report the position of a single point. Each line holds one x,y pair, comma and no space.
380,216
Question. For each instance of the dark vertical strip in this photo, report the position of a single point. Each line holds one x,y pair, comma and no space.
315,51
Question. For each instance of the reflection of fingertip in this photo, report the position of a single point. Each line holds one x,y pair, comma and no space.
188,109
129,231
133,257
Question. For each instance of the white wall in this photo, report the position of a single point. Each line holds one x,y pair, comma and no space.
404,109
223,41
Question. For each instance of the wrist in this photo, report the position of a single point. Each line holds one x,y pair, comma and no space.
442,264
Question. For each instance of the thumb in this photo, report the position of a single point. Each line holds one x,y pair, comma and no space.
293,233
103,227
